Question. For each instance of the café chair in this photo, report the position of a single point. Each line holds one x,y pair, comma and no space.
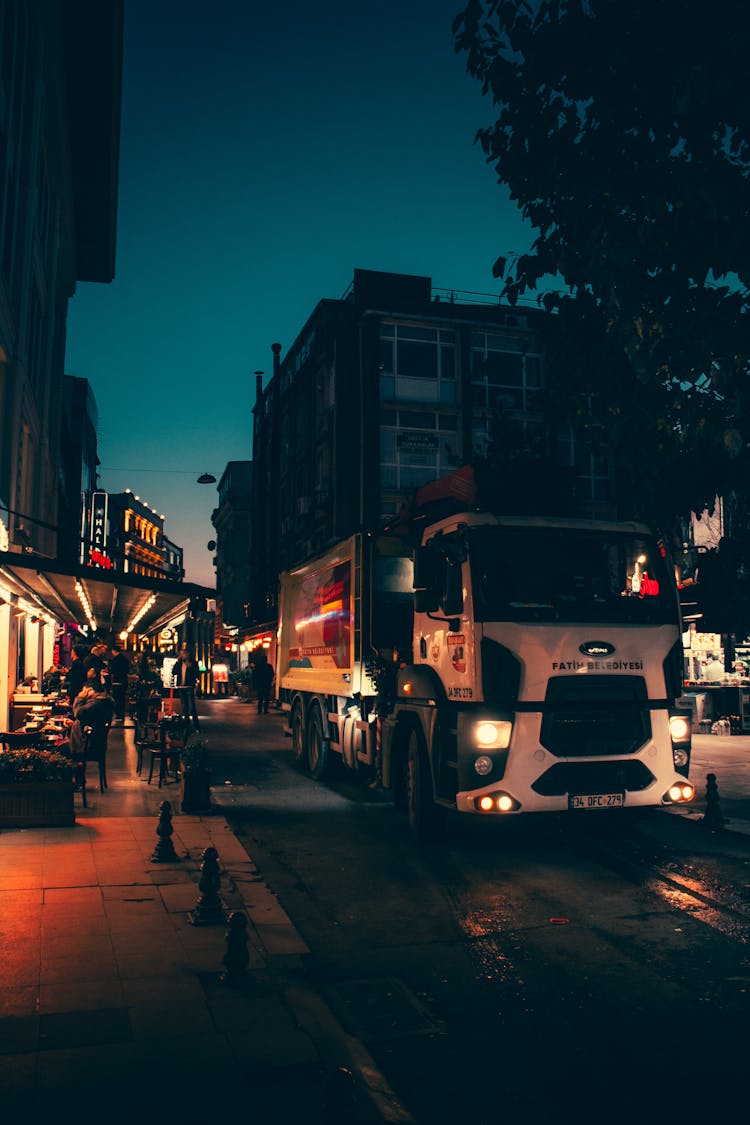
174,732
20,740
95,749
146,735
79,779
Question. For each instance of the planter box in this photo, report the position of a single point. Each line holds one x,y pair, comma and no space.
196,791
45,804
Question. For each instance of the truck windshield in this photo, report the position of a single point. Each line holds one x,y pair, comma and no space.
569,575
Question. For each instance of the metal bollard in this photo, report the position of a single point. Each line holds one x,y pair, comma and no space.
208,909
340,1097
236,957
164,851
713,818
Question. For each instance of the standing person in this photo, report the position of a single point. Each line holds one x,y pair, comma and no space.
185,675
77,672
119,667
262,680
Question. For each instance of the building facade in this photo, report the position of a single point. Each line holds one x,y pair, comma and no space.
60,78
78,467
384,390
60,82
135,539
232,522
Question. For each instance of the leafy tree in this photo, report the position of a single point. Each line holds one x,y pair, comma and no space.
623,134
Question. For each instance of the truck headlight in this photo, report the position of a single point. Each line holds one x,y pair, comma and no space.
492,734
679,728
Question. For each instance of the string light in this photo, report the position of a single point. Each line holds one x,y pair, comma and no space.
84,600
137,616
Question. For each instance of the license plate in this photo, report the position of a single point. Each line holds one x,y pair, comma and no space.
596,801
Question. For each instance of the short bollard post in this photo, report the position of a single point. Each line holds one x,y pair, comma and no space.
208,909
164,851
341,1097
713,817
236,957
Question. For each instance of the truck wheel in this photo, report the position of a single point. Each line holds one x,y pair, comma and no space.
298,738
400,781
318,756
425,817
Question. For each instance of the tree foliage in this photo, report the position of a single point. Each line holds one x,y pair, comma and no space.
623,134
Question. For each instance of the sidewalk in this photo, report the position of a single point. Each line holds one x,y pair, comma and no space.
111,999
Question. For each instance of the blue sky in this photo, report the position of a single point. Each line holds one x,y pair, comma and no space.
266,152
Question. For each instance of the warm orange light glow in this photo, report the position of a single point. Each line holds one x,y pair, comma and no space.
486,803
407,688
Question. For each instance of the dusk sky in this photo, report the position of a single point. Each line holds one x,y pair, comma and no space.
266,152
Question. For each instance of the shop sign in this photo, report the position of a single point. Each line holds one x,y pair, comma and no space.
417,440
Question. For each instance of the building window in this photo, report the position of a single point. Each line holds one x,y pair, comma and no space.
416,446
417,363
592,468
502,376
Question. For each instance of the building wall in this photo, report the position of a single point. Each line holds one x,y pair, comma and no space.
56,61
78,464
60,79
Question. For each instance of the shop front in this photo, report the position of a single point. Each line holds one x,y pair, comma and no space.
46,606
718,699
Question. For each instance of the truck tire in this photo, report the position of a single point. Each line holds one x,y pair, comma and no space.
426,819
298,737
318,753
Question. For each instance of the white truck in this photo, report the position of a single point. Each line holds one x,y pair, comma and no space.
497,666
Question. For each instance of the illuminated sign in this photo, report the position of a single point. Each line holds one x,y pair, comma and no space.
98,531
96,558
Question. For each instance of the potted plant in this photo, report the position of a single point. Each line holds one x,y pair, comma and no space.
36,788
243,683
196,776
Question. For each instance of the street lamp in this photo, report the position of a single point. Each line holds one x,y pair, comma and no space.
206,478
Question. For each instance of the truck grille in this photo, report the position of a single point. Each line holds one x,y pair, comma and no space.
593,777
595,716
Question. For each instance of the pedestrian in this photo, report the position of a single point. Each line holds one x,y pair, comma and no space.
119,667
262,680
77,672
185,675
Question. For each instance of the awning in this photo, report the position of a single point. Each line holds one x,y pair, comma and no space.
114,599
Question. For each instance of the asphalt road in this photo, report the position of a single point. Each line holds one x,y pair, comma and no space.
539,967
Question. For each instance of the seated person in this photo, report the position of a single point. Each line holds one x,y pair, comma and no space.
92,707
52,680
